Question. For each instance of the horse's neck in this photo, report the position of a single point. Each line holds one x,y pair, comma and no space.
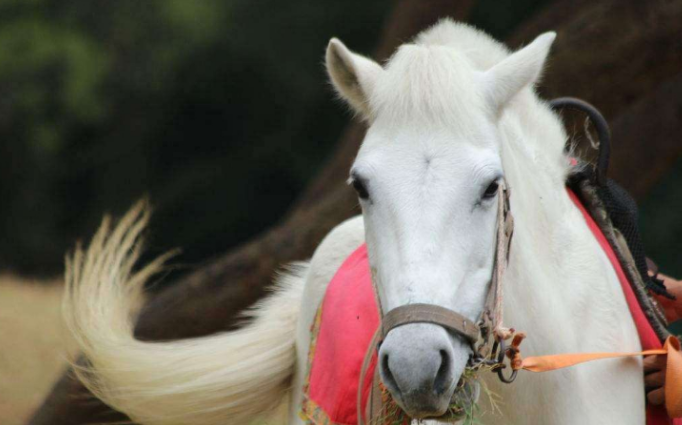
557,271
561,291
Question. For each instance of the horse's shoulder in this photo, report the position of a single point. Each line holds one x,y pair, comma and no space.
328,257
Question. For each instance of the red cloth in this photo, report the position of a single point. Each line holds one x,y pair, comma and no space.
349,317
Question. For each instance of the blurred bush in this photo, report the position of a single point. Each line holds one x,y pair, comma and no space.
213,108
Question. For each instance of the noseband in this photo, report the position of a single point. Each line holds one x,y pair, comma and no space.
430,313
487,337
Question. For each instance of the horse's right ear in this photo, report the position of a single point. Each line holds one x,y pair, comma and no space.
518,70
353,76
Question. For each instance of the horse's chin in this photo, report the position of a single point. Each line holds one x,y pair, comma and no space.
447,409
423,406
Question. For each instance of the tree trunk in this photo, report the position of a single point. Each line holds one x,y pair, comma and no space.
647,138
611,53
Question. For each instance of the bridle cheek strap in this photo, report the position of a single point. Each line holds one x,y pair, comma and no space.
430,313
491,319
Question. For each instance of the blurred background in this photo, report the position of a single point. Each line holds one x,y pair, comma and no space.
219,112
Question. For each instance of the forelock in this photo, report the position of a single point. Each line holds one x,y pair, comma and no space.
426,83
434,78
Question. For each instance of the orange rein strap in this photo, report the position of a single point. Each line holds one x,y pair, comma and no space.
673,375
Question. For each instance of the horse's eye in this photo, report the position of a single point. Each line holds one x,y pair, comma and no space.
361,188
491,191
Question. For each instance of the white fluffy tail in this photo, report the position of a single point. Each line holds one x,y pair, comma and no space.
227,378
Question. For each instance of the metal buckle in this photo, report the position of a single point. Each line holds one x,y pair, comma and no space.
502,353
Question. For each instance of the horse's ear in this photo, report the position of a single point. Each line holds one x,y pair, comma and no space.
353,76
504,80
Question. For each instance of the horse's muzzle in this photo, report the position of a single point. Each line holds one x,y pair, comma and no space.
420,364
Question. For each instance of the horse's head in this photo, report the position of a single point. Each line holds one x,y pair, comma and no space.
427,176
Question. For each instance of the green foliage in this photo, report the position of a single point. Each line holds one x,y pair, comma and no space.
219,110
37,58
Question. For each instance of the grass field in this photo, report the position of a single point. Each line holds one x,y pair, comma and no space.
33,347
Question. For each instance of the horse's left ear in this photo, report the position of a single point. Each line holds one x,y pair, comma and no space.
353,76
504,80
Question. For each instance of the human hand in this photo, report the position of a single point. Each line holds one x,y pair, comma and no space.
672,308
655,366
654,379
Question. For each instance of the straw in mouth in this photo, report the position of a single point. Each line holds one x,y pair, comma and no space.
463,406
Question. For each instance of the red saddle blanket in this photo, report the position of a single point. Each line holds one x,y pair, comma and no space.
348,318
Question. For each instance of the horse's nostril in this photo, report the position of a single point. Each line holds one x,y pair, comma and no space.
387,375
442,381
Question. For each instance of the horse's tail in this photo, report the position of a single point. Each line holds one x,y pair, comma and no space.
227,378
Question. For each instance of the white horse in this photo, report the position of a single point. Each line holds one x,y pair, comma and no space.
449,116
